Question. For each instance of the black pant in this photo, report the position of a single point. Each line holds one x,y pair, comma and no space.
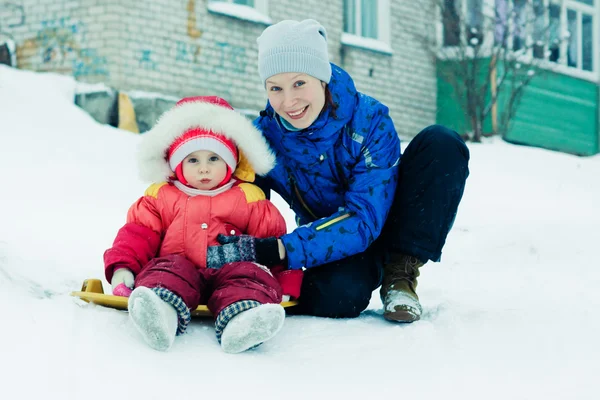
431,181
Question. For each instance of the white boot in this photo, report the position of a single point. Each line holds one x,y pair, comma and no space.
153,317
252,327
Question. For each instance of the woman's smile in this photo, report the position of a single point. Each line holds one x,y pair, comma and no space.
298,114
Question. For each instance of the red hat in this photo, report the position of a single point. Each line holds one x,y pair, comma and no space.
201,123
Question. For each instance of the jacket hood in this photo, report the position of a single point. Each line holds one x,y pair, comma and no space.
255,155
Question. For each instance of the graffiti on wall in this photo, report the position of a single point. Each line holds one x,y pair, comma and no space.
231,57
11,16
61,46
90,63
187,52
57,40
146,60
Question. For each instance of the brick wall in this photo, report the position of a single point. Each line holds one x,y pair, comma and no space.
178,47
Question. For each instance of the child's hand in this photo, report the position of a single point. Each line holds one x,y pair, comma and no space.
122,276
122,290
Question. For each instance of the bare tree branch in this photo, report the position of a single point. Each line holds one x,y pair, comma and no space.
489,56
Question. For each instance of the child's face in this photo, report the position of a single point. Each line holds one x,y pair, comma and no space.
204,169
297,98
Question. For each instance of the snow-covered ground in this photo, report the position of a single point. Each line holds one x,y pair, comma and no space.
510,313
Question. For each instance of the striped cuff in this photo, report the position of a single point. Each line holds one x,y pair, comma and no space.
183,313
231,311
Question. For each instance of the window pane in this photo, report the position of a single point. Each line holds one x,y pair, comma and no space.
572,49
368,18
554,32
590,2
587,37
520,20
349,16
245,2
451,23
539,29
475,22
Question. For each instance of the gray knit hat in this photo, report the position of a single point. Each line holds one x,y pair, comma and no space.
292,46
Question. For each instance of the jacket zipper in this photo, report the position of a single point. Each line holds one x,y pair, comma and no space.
303,203
301,200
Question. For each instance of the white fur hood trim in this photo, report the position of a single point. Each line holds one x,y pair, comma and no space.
152,163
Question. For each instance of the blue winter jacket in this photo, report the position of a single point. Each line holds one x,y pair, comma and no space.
339,175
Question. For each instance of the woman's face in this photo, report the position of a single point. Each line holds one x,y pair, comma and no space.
297,98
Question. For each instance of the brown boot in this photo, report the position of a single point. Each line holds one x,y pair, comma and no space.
398,295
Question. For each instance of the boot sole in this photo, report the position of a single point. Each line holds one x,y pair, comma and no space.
399,306
401,316
252,327
146,313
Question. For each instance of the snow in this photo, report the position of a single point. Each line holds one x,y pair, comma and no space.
400,298
140,94
84,88
510,312
239,11
349,39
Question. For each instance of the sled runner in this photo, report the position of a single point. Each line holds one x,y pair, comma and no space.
92,292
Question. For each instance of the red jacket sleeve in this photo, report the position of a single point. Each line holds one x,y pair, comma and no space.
138,241
266,221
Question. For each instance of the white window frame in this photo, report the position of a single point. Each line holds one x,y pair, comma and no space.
258,14
581,8
383,43
559,66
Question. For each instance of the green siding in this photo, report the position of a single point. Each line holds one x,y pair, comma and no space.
558,112
449,110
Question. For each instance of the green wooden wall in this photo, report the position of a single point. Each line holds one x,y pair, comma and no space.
449,111
557,112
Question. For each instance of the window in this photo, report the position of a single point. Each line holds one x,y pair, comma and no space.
554,35
451,23
518,20
565,32
561,31
248,10
367,24
474,22
581,40
360,18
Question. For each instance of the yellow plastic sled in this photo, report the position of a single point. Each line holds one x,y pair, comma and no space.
92,292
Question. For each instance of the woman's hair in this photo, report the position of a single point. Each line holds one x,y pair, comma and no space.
329,102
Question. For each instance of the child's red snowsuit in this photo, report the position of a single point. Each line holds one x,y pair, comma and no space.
165,240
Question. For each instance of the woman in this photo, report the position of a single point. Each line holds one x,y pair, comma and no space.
364,217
